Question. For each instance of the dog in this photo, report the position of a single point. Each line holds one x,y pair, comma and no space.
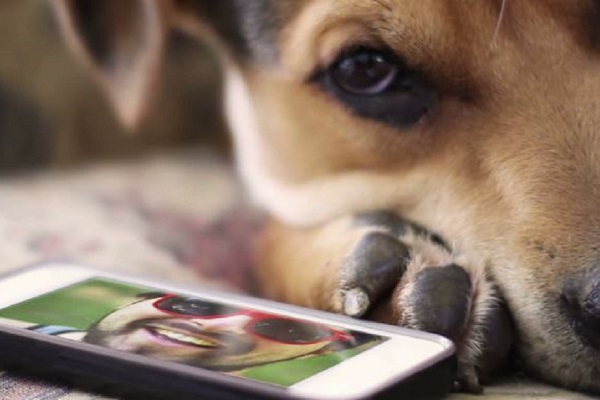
363,126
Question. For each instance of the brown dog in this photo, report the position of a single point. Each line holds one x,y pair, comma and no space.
477,119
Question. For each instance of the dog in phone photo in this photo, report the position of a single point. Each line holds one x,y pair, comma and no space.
431,164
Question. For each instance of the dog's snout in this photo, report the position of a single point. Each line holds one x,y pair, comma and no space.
582,297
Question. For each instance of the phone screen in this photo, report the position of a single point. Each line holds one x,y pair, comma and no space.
244,342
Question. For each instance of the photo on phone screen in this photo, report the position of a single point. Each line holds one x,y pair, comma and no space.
244,342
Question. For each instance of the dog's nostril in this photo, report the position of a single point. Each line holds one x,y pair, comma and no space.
582,297
591,308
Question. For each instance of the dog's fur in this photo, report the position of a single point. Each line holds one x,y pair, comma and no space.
504,165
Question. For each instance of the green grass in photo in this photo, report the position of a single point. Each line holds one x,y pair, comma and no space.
291,372
77,306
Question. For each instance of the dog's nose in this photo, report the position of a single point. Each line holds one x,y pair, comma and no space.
582,297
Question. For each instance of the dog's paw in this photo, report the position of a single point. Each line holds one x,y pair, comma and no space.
397,272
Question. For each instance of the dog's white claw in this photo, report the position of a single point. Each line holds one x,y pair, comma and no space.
356,302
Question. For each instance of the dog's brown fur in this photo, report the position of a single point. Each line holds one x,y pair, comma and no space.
505,166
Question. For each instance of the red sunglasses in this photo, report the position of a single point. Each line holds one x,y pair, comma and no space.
268,326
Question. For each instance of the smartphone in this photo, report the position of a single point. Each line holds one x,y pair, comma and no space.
137,338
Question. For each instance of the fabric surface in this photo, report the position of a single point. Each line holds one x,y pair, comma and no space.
13,387
180,218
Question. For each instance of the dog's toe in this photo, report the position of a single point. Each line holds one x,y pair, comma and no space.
494,341
438,301
372,270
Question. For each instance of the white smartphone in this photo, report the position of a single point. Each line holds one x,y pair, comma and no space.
135,337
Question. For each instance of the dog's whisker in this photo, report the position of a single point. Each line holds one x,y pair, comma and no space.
500,20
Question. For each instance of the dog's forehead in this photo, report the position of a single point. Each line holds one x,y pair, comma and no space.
254,28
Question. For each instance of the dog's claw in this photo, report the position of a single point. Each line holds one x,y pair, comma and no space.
356,302
468,381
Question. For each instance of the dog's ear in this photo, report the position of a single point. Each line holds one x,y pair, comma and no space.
123,42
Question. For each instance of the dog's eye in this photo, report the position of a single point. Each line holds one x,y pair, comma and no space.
365,73
376,84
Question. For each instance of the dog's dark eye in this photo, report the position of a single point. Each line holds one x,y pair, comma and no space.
365,73
376,84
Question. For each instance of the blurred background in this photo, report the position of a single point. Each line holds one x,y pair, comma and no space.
53,115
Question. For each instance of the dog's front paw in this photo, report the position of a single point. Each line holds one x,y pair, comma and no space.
397,272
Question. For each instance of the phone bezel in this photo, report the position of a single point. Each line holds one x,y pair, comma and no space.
54,276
